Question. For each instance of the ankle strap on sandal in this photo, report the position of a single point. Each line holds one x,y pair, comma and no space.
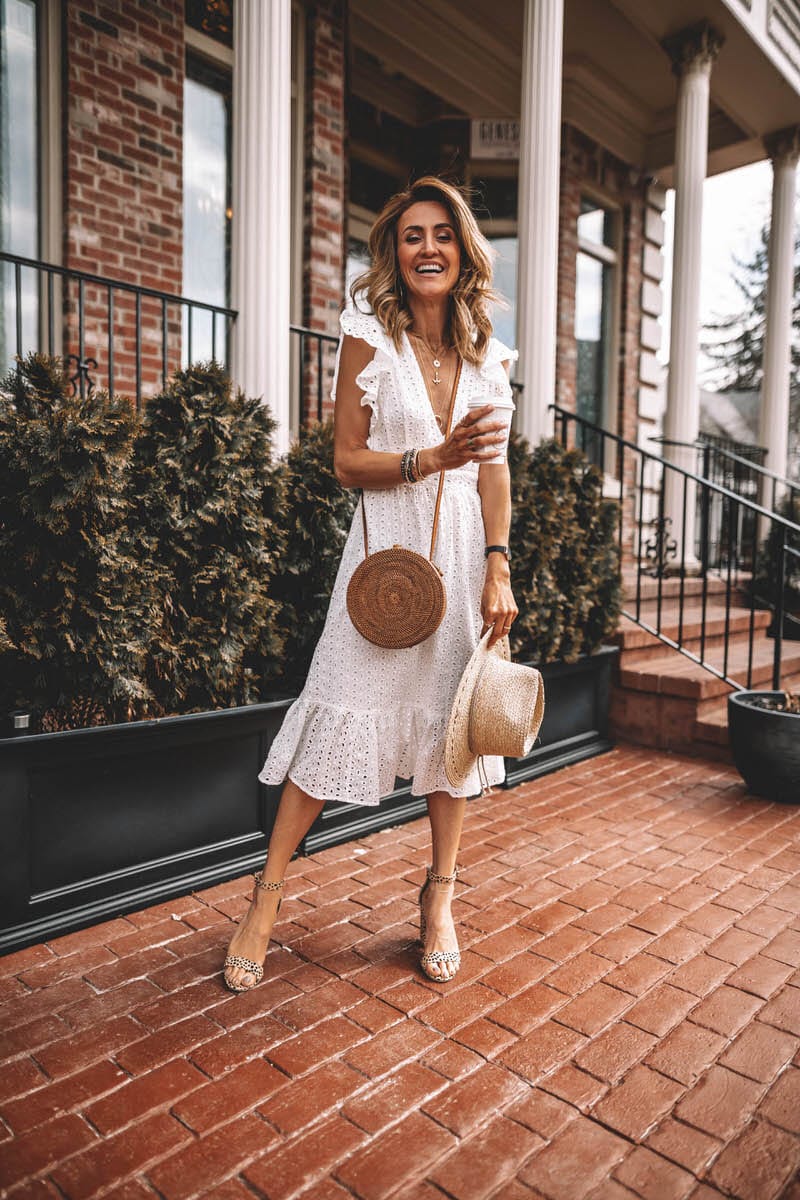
434,878
267,884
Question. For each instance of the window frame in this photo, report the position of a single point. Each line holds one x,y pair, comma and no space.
51,195
215,69
611,257
499,227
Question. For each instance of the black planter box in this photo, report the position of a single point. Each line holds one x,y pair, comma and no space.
107,820
103,821
575,724
766,746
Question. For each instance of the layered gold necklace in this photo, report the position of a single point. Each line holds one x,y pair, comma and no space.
439,358
436,354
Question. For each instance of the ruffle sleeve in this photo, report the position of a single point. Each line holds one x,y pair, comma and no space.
492,372
366,327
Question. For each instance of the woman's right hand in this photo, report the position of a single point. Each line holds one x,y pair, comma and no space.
473,439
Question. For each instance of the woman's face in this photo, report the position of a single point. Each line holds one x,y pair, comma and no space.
428,251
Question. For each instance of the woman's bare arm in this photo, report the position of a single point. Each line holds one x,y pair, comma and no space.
498,607
358,466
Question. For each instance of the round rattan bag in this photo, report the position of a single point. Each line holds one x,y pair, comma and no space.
396,598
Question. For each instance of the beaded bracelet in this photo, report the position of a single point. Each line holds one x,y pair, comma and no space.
410,469
406,466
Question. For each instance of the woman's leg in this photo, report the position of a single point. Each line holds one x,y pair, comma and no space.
296,814
446,815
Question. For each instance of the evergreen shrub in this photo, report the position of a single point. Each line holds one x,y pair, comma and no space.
206,500
76,610
765,577
165,563
316,517
565,569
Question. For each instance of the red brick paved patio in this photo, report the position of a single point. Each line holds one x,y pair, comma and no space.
626,1022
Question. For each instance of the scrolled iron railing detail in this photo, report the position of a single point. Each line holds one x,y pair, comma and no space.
660,549
728,528
81,380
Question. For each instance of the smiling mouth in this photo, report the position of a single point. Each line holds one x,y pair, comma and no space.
429,269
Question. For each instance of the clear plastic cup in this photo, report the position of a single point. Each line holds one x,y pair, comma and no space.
503,410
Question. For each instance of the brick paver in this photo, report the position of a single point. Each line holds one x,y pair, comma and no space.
626,1022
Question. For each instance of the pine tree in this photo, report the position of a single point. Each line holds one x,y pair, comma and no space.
736,342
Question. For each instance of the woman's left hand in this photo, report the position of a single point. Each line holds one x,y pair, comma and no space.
498,607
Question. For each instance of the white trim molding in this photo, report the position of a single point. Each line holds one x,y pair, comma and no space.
539,188
261,259
784,151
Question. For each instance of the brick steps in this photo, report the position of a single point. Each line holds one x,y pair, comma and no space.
670,588
712,726
661,697
640,645
674,674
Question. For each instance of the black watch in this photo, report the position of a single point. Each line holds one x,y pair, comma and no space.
497,549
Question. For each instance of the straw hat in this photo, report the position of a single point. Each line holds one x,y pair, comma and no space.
498,709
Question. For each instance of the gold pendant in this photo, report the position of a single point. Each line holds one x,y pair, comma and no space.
436,364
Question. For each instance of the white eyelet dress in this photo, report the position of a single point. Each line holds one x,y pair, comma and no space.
366,714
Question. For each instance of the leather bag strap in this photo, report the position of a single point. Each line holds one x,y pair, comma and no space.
441,476
441,473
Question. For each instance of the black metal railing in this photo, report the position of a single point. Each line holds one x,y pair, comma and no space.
739,468
109,333
313,365
746,472
653,545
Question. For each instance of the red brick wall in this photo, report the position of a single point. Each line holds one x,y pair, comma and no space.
585,165
124,65
324,250
588,167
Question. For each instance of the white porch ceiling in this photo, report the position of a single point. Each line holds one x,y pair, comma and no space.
618,83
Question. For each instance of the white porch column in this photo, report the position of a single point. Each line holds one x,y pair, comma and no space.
693,52
773,428
538,204
260,269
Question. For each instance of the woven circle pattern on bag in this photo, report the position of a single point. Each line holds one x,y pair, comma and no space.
396,598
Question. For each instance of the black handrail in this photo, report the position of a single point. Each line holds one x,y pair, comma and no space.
750,464
311,369
97,322
653,557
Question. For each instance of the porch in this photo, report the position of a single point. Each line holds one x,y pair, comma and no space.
626,1022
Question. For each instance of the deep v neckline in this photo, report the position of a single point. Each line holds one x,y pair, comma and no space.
428,402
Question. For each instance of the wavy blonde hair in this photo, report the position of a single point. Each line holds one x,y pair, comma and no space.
382,284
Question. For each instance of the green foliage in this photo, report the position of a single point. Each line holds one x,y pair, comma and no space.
565,561
165,563
75,609
735,343
765,577
206,500
316,517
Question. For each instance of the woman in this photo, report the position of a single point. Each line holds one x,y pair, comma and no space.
368,714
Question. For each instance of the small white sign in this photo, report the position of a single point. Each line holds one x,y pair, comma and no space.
498,138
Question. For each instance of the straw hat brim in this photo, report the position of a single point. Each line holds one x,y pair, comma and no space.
458,759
